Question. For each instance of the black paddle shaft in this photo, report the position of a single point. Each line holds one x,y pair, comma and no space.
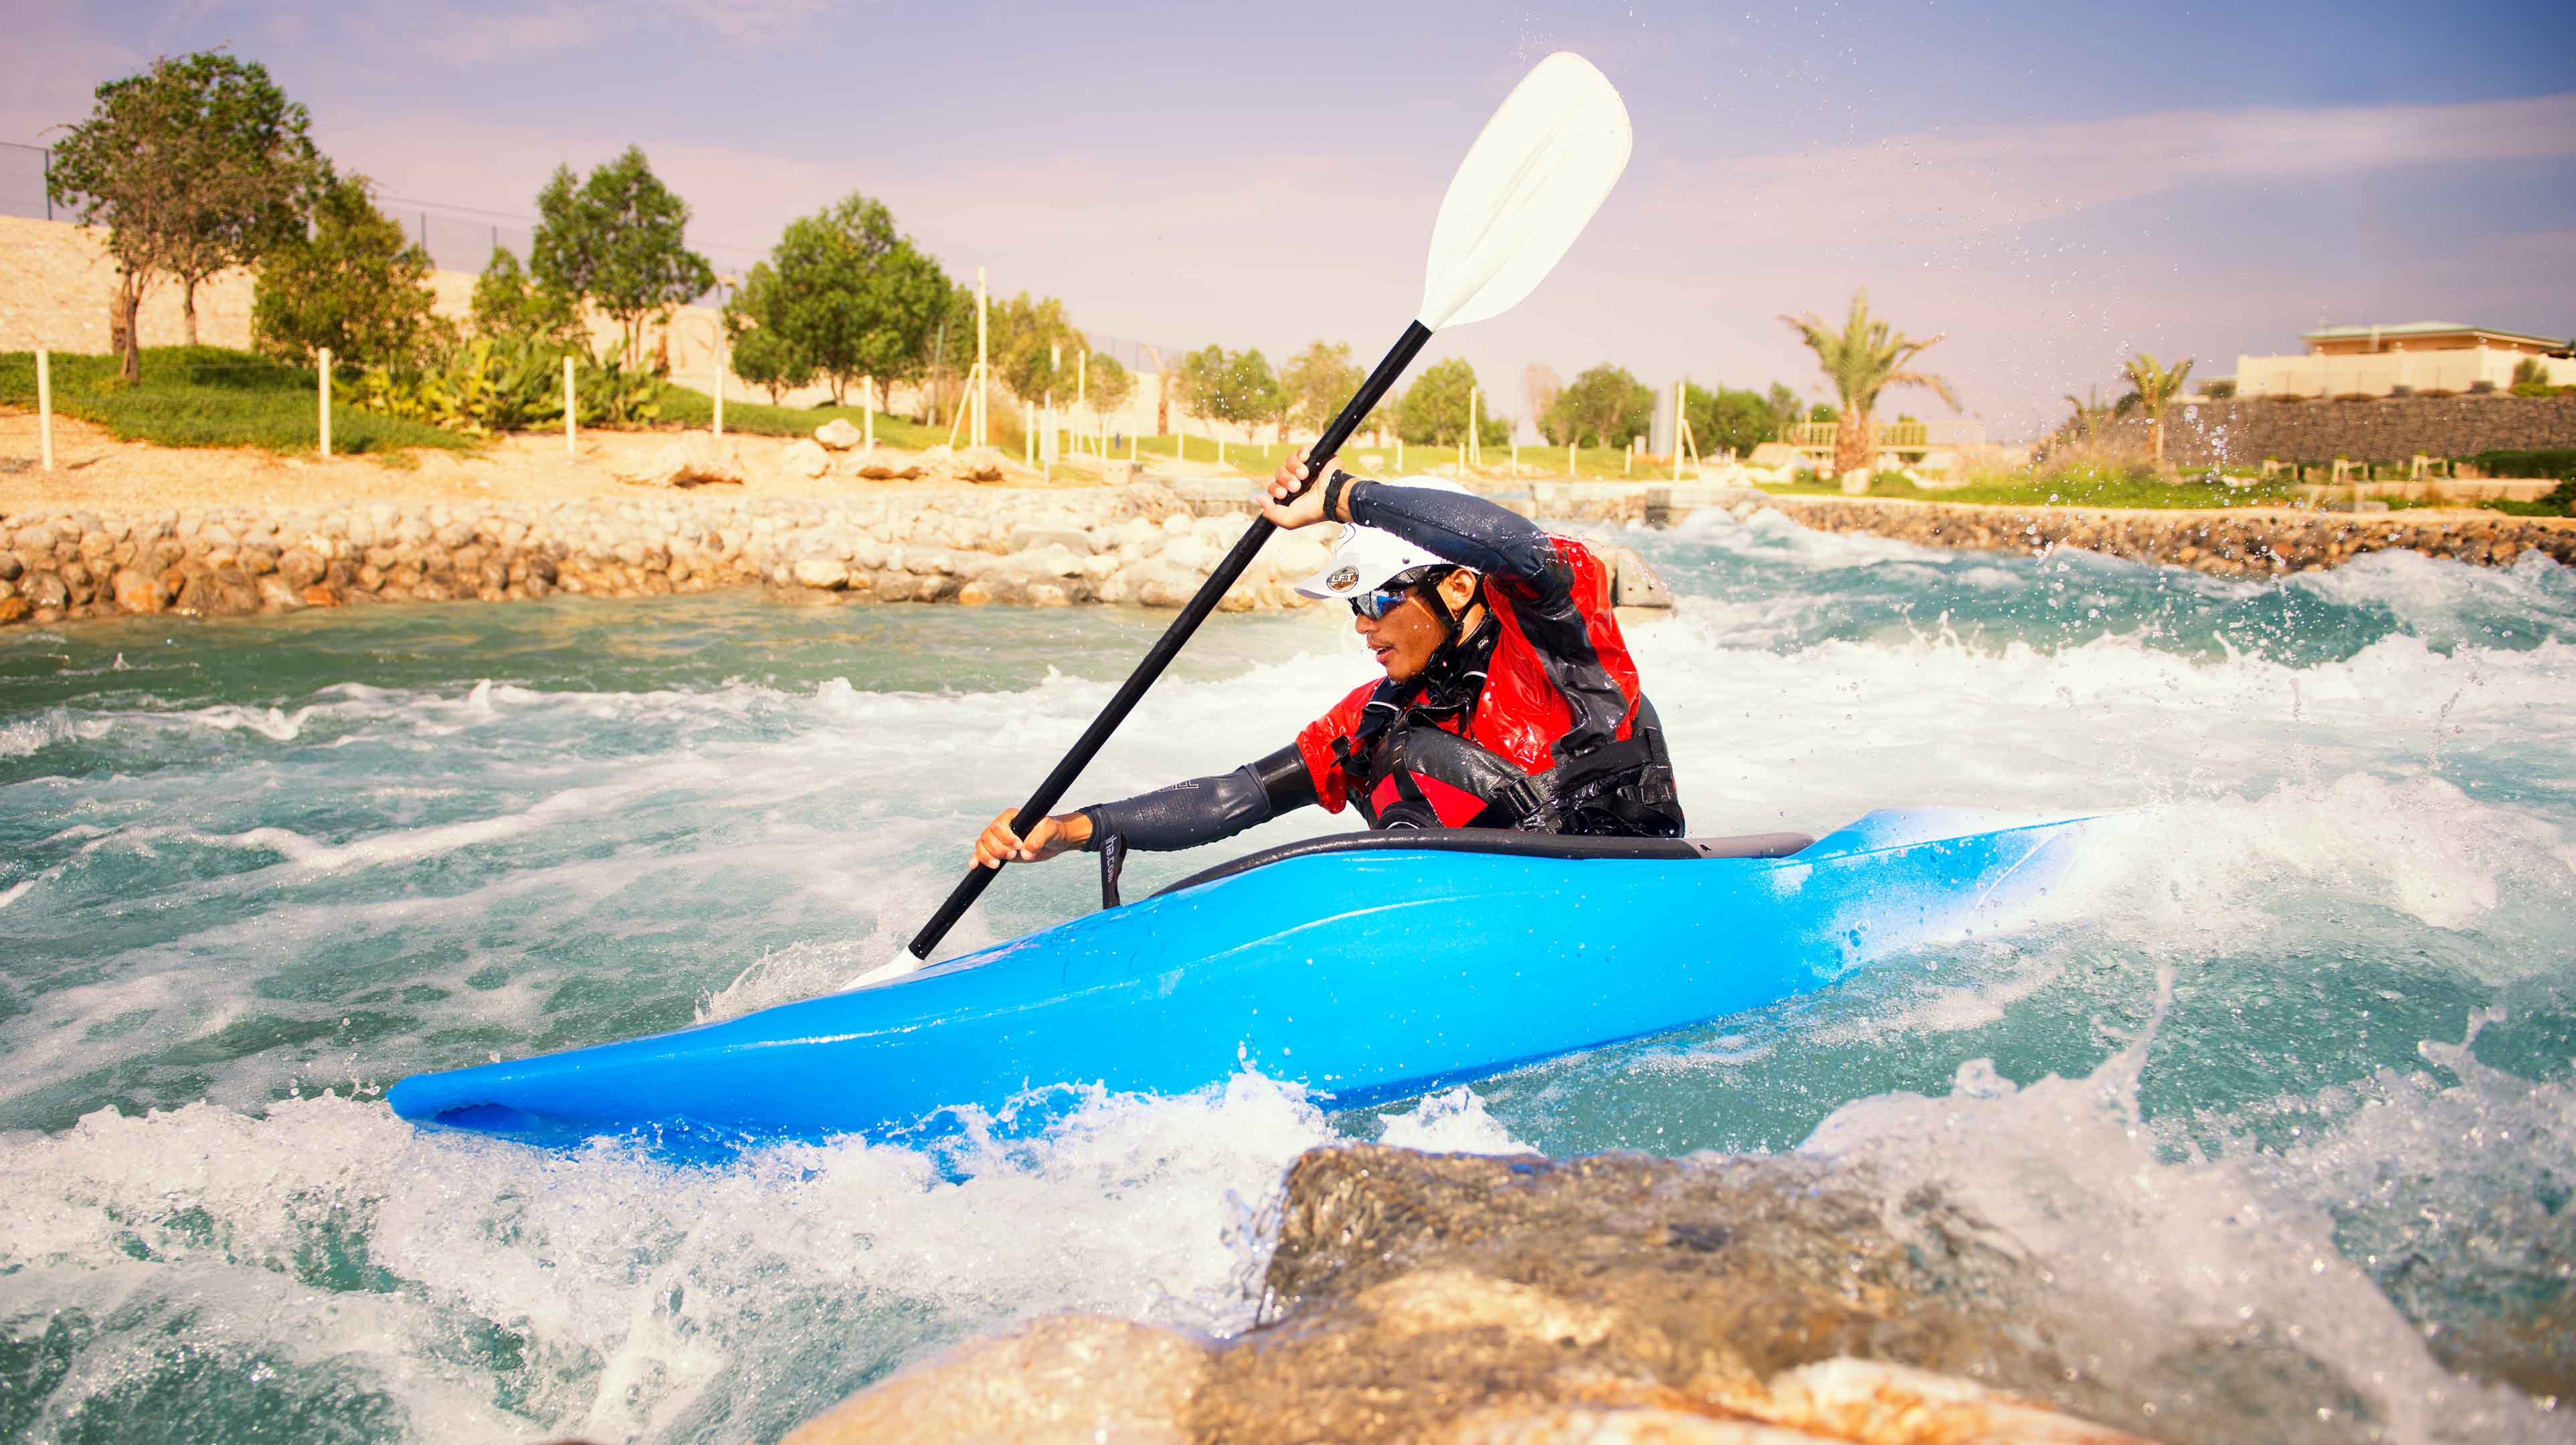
1168,646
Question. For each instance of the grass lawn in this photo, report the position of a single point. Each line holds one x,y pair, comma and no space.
206,396
690,407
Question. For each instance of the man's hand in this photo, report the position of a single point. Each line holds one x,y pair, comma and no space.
999,845
1274,496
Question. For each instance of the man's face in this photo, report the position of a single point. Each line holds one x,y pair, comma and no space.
1405,638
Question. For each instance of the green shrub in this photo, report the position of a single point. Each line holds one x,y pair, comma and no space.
2557,462
486,385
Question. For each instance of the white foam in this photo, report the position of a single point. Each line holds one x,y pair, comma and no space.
1454,1122
656,1292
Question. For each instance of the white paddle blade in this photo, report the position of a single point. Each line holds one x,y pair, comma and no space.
1543,165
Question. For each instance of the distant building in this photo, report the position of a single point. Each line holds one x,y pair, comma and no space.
2413,358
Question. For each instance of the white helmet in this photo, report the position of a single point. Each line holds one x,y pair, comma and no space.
1365,557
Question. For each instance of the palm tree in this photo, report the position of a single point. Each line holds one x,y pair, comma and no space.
2088,415
1861,360
2152,387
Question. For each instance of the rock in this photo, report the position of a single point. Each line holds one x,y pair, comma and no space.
838,434
1633,583
277,593
318,595
973,464
823,572
138,592
258,561
1029,539
1066,1380
806,459
10,567
15,609
697,458
45,589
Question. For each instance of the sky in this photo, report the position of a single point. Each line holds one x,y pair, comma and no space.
2048,188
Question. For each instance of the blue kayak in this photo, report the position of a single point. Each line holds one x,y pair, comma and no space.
1366,967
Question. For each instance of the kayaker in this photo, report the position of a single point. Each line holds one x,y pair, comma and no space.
1508,701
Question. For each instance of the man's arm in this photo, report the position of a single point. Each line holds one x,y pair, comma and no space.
1184,815
1468,530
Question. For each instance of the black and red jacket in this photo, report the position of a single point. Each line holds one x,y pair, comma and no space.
1534,720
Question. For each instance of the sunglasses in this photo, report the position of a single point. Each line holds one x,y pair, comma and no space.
1377,604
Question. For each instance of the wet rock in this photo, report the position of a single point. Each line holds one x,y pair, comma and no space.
823,572
277,594
15,609
138,592
45,589
1068,1380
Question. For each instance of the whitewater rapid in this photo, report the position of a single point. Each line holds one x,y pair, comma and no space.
2288,1056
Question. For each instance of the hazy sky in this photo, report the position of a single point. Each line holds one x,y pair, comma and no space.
2048,187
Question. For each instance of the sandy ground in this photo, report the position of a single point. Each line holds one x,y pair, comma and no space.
93,469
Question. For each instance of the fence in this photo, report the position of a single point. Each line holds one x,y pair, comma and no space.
22,182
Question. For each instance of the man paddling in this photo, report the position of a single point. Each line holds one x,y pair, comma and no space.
1508,701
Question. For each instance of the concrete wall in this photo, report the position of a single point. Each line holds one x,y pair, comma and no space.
2392,429
2383,373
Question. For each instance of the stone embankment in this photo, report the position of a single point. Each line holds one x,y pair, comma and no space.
2252,542
1136,544
1750,1301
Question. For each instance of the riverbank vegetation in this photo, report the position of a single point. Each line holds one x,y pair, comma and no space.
207,396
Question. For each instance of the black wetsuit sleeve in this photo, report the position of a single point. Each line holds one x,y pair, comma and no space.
1203,810
1470,531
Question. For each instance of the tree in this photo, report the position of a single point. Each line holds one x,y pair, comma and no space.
1863,359
1723,418
1108,385
1434,409
1785,405
1319,382
618,241
357,285
1606,404
1234,386
854,298
197,164
506,303
2088,417
2151,387
1032,347
754,347
1540,387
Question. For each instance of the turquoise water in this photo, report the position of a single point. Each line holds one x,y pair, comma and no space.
2291,1068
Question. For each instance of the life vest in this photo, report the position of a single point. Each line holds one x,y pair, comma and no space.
1534,722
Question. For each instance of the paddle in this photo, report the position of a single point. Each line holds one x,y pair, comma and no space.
1527,188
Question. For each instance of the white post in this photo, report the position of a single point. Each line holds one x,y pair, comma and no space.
45,407
1677,430
1569,456
322,386
1399,452
568,434
1473,451
1028,435
983,373
720,378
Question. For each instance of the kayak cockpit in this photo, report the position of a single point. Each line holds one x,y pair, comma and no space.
1506,841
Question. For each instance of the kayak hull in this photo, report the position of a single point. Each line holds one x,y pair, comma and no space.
1365,975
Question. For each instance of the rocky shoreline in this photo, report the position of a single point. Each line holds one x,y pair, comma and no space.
1144,544
1136,544
2252,542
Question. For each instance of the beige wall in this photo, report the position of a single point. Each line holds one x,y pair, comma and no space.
2382,374
57,283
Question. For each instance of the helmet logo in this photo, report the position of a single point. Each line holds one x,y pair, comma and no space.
1343,578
